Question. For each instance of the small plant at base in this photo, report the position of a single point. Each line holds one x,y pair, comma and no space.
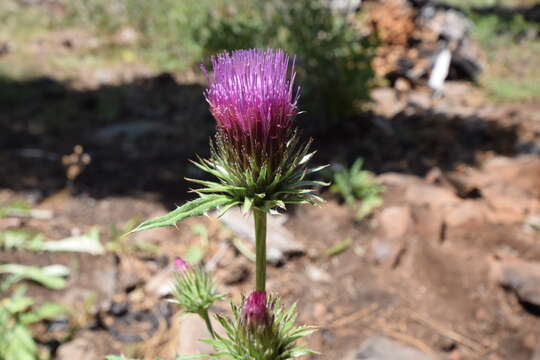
357,184
260,328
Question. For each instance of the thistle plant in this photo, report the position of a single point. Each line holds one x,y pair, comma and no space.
261,164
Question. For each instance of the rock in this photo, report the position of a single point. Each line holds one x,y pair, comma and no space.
383,348
97,280
280,241
522,172
345,6
509,204
6,223
522,277
86,346
399,180
395,220
317,274
235,274
466,212
161,284
536,353
130,131
430,195
193,329
387,251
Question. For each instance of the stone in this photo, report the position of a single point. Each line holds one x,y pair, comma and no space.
536,353
191,331
394,221
317,274
280,241
509,204
161,284
235,274
522,172
424,194
383,348
466,212
86,346
397,179
387,251
522,277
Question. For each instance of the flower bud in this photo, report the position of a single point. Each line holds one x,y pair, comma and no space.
180,265
255,312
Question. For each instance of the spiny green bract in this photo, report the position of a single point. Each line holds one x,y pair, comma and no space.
265,186
194,290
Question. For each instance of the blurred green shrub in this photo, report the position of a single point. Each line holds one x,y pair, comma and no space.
356,184
333,57
165,27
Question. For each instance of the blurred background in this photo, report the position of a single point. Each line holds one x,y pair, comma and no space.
428,112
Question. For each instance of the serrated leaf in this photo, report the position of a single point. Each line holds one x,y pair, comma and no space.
195,207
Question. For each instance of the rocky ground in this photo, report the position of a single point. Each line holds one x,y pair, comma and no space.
446,268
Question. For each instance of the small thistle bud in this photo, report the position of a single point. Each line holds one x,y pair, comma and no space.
255,313
180,265
193,288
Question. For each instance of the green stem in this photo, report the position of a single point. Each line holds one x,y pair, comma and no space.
206,318
260,244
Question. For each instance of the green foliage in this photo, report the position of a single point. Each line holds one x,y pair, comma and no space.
17,312
356,184
195,207
51,276
166,27
15,208
340,247
512,73
333,58
24,240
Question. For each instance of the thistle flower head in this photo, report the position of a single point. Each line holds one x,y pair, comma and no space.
255,313
257,154
252,98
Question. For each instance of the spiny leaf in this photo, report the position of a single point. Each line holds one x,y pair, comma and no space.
195,207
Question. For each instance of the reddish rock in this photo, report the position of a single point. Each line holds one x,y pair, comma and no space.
509,204
395,220
466,212
430,195
522,277
383,348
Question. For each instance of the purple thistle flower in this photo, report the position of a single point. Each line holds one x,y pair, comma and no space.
255,311
252,98
180,265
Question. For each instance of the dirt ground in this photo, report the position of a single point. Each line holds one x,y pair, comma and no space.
461,177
